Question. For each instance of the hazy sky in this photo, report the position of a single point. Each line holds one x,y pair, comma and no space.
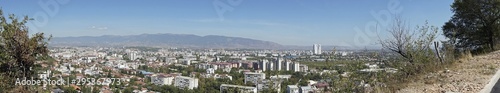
287,22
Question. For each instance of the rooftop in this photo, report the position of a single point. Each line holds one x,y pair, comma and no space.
293,86
237,86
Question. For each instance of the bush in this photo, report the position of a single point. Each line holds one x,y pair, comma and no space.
419,55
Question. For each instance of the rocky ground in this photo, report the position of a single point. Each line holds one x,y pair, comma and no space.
469,75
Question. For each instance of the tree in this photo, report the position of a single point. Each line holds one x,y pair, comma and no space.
401,36
18,51
304,82
414,46
475,24
410,44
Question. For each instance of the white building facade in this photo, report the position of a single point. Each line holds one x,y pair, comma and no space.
292,89
316,49
241,89
254,77
186,82
162,80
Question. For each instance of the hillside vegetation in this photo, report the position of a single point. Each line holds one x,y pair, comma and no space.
468,75
447,66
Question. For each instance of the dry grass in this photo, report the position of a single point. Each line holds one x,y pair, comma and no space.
434,74
468,74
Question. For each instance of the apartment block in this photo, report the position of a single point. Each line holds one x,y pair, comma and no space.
254,77
186,82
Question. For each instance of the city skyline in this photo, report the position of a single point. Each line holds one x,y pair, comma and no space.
295,22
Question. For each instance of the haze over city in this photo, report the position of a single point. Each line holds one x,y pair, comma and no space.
295,22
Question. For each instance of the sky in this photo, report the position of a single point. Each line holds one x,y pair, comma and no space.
287,22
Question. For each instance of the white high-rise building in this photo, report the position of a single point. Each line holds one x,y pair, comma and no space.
295,67
278,64
132,56
288,66
316,49
263,65
270,66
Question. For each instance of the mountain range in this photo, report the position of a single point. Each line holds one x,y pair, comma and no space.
176,40
166,40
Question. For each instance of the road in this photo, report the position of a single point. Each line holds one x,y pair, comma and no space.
496,88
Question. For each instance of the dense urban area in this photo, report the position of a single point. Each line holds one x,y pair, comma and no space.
147,69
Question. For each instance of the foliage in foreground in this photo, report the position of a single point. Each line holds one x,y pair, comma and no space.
419,50
475,25
18,52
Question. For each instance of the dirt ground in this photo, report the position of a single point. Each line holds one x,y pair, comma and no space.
469,75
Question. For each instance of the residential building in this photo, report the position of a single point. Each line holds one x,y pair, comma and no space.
162,79
224,88
270,66
226,70
254,77
321,86
303,68
268,84
282,77
133,56
295,66
288,66
186,82
292,89
210,71
256,66
223,76
221,65
278,64
263,65
317,49
247,65
206,66
186,62
305,89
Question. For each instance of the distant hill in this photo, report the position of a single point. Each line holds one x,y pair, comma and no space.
166,40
